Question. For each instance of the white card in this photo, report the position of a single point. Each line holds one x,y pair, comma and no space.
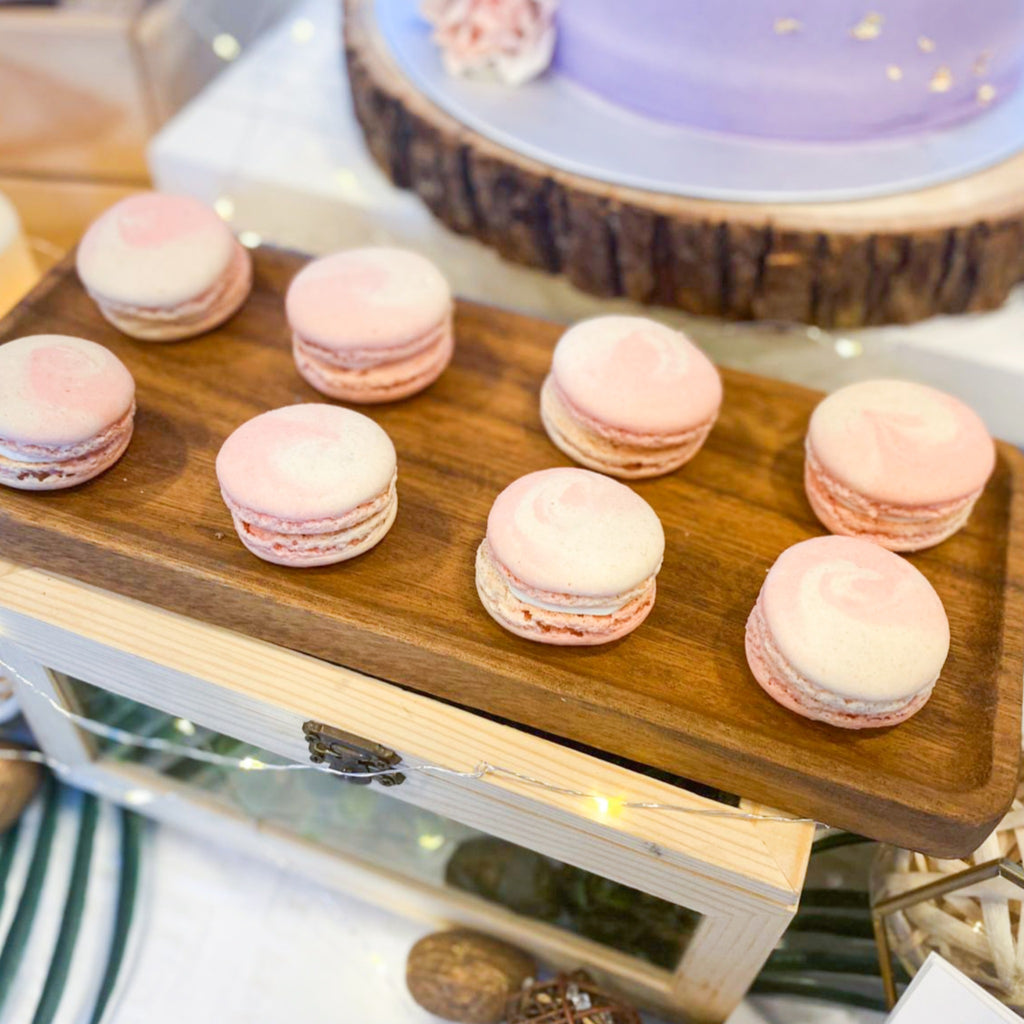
940,993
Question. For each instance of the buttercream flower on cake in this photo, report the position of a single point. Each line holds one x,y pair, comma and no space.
512,40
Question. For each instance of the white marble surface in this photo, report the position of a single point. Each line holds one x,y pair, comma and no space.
229,938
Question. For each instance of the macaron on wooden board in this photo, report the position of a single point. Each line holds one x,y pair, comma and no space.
675,694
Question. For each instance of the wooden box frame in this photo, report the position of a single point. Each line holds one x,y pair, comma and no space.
744,876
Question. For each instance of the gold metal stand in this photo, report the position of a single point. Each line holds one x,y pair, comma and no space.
1001,868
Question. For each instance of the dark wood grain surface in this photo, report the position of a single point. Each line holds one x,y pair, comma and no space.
676,694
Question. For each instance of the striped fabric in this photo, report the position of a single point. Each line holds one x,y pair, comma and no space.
69,873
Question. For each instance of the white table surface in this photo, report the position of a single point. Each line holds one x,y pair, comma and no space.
226,938
230,939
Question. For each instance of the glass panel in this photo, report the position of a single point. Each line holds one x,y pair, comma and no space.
364,823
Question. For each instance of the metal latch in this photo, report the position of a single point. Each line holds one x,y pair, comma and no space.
351,754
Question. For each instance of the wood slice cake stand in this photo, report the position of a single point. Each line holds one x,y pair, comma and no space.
952,248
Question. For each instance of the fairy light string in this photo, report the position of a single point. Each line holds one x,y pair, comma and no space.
607,806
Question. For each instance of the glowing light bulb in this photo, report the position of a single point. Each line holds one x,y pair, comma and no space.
303,30
226,46
609,806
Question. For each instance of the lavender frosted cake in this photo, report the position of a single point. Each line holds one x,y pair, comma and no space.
814,70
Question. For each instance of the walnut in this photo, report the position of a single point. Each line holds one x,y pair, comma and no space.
462,975
18,783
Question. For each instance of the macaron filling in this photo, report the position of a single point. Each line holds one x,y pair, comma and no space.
612,449
552,617
316,542
573,603
54,473
55,455
364,358
375,374
260,523
806,697
203,312
897,527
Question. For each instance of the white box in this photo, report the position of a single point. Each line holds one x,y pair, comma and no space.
940,993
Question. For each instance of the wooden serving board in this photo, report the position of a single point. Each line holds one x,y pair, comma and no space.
676,694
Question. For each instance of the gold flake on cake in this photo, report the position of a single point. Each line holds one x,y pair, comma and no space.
925,45
869,27
986,94
788,26
981,64
894,72
942,80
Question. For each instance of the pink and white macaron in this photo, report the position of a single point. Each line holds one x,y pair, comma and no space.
370,325
67,411
163,267
896,463
309,484
629,397
570,557
847,633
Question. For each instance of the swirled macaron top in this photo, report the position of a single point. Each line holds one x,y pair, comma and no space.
59,390
571,531
155,250
367,298
900,442
855,618
311,461
636,374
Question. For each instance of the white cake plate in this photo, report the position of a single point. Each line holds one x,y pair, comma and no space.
555,121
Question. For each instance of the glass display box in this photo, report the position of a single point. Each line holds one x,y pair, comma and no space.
676,906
